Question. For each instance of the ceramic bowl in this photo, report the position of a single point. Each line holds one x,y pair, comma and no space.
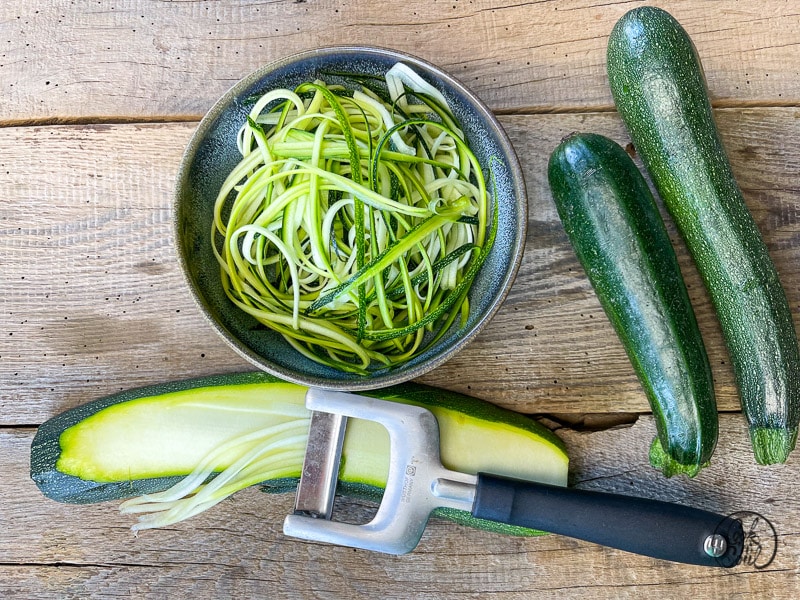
212,154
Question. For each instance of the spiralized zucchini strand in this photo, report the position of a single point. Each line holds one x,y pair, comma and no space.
356,220
265,454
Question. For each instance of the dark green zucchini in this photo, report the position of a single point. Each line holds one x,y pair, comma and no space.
658,85
617,232
144,441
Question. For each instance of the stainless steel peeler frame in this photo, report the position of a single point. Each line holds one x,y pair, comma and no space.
417,482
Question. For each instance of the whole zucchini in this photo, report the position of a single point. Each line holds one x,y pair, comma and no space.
616,229
658,86
141,442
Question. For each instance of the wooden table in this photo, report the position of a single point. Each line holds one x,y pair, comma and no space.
97,102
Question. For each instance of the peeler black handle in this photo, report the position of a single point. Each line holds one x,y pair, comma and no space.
648,527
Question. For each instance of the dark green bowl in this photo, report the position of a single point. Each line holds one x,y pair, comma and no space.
212,154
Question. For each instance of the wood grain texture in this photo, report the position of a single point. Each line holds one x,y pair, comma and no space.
97,102
237,549
93,300
133,59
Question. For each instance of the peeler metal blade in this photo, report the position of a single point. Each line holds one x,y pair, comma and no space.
317,487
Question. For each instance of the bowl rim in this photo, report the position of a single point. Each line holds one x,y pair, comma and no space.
394,376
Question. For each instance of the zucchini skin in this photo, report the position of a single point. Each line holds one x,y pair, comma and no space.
660,91
617,232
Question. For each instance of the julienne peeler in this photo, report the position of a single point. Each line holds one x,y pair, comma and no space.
418,483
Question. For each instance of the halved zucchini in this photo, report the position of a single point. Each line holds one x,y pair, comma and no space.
145,441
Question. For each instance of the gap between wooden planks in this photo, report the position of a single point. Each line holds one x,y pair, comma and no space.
138,59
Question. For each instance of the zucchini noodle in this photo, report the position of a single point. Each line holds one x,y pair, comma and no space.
356,220
273,452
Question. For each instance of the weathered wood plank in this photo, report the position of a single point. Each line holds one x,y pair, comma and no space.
89,235
237,549
128,59
93,302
